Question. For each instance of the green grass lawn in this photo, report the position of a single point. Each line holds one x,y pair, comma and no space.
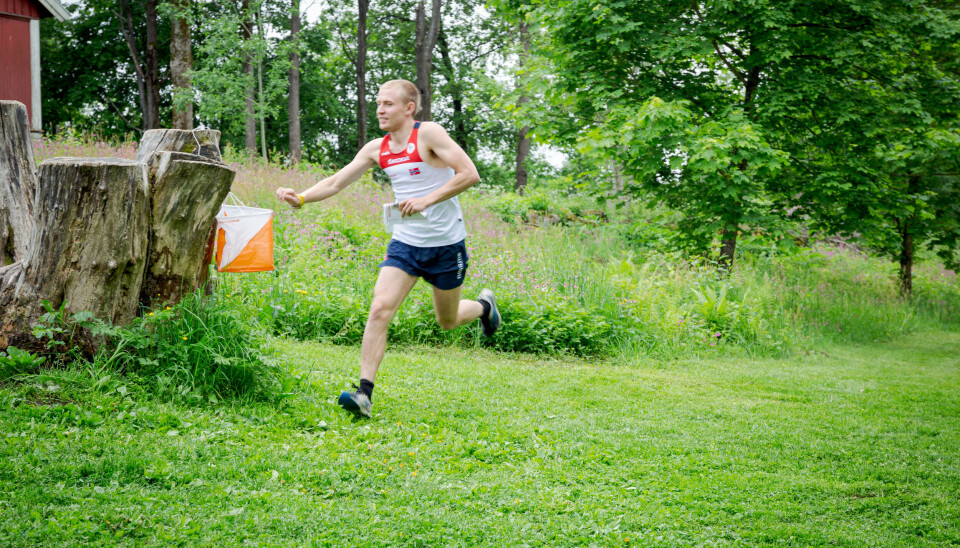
851,446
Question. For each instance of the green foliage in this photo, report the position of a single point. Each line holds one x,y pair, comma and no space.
542,206
199,350
89,81
15,362
554,328
642,452
736,112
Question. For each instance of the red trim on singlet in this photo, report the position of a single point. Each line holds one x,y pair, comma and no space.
388,158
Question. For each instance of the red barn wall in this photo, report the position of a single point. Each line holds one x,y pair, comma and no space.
15,60
23,8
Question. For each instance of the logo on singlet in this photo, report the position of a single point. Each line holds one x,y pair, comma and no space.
392,161
410,147
415,171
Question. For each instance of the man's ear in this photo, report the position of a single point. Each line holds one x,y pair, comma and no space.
411,109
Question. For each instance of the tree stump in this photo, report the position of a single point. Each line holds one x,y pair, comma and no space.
88,248
202,143
18,182
186,196
106,236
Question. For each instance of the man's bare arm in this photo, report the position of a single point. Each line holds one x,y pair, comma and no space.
364,160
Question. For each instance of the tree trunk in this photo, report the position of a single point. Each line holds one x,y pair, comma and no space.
362,7
202,142
250,121
293,108
459,132
88,248
263,122
18,173
181,61
151,116
906,246
423,51
147,75
523,142
728,249
906,260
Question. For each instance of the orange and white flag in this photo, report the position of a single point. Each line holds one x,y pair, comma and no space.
244,238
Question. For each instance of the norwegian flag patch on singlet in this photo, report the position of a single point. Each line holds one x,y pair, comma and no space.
415,171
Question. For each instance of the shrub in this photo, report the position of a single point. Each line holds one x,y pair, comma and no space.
198,349
17,362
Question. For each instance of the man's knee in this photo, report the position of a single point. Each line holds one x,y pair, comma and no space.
380,310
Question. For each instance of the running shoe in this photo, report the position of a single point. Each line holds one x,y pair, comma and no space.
490,320
357,403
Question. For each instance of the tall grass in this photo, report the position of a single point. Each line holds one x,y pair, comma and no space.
582,288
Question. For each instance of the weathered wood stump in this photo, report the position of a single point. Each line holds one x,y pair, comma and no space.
88,248
186,196
106,235
201,143
18,182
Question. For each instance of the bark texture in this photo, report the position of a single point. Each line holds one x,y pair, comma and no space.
186,193
293,106
18,182
423,51
107,235
203,143
361,65
523,141
88,248
250,98
181,62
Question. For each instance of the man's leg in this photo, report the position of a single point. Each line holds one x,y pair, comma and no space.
392,287
451,310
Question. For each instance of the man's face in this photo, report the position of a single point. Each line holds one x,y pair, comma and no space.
391,110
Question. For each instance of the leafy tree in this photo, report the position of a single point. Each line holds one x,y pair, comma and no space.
727,109
89,76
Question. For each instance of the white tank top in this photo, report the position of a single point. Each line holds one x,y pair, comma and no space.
411,177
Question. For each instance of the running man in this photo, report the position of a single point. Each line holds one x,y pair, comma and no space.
427,170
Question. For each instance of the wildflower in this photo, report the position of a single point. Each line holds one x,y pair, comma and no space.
151,314
167,308
717,334
184,338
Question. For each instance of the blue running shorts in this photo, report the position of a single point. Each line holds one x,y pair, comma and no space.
443,267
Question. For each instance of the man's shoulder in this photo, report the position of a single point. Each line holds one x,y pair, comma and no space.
372,148
433,133
432,128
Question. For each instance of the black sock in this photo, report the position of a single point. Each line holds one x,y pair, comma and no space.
366,387
486,309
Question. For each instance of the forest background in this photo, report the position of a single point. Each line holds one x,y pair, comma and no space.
729,298
728,117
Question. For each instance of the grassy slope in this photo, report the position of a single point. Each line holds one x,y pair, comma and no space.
857,446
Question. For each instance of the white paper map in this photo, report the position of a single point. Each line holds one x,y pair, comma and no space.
393,216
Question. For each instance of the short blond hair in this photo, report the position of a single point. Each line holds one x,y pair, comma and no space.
408,92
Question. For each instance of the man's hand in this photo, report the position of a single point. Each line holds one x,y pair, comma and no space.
411,206
289,196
